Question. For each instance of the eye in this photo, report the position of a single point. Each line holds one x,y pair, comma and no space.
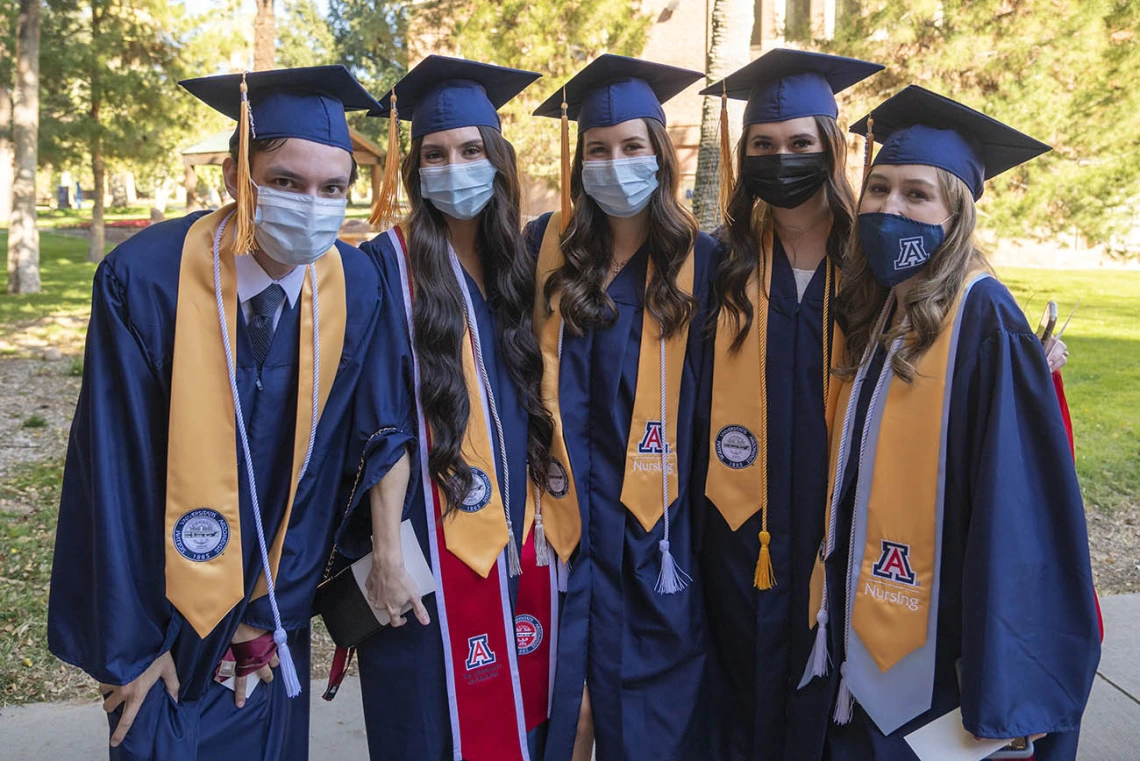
597,150
333,190
762,144
877,189
803,144
281,182
472,151
433,155
917,195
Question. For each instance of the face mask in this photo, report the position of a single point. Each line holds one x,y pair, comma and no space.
296,229
785,180
459,190
897,247
622,187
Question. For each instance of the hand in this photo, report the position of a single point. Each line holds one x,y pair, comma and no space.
1056,353
132,694
391,589
245,633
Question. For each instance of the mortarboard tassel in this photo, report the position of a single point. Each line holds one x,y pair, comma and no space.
725,169
765,576
868,147
844,701
386,206
565,163
541,547
246,208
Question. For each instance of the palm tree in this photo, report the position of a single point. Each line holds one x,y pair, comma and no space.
264,36
732,22
23,235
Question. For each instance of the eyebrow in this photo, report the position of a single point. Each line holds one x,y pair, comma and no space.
635,138
477,143
288,174
921,182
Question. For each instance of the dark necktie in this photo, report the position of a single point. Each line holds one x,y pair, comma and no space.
264,306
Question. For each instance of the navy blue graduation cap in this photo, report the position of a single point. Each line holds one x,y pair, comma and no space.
788,84
443,93
615,89
307,103
917,126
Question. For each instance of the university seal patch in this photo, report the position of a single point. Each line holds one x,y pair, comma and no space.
557,484
201,534
528,633
479,495
736,447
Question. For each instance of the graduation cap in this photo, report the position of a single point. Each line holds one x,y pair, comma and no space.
788,84
612,89
305,103
917,126
439,94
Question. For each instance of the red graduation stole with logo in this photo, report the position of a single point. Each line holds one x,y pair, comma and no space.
499,665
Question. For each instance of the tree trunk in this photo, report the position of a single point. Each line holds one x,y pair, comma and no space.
190,183
95,250
264,36
728,51
6,157
23,236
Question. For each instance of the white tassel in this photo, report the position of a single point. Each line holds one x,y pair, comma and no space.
671,579
514,567
288,669
845,702
819,657
563,577
541,548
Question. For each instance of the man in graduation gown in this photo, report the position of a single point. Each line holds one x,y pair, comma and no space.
207,465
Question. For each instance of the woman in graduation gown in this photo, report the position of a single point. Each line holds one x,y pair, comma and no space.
175,510
788,220
955,567
620,305
470,677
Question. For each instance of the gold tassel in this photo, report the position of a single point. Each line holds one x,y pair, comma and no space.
565,163
246,207
386,205
726,180
765,577
868,147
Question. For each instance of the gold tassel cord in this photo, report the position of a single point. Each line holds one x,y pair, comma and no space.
386,205
246,206
765,576
565,163
868,147
725,169
827,295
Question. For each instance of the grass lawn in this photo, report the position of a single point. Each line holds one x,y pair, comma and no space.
1102,379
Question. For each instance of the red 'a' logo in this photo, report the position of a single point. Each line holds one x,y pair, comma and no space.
894,564
479,652
652,441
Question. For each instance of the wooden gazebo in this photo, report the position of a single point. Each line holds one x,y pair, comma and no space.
215,149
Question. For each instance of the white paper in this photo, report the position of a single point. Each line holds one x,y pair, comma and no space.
414,562
945,739
251,683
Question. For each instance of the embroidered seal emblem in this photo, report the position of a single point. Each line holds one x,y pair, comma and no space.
736,447
557,484
479,495
528,633
201,534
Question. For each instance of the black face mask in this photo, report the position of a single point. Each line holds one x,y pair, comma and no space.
785,179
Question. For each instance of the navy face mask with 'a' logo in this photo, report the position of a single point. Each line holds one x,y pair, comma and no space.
897,247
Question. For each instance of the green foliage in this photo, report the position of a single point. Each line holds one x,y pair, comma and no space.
1065,71
371,39
304,36
35,420
75,368
66,278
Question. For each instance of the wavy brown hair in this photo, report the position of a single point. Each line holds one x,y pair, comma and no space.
588,248
750,219
937,285
439,321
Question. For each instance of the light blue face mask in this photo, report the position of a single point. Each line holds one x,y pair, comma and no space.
622,187
459,190
296,228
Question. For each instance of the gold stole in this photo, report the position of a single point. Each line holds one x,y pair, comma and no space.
738,434
204,576
899,552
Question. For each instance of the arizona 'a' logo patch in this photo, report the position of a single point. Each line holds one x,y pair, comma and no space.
479,652
652,442
912,252
894,564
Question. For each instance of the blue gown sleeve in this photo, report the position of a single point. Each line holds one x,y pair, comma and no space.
1030,644
384,427
107,609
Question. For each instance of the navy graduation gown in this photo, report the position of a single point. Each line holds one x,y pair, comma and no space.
108,612
759,638
641,653
403,680
1016,603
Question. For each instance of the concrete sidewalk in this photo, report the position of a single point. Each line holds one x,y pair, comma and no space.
68,732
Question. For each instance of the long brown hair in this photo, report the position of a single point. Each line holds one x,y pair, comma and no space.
588,249
438,317
937,285
751,219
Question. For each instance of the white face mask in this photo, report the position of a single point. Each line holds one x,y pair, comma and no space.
294,228
459,190
622,187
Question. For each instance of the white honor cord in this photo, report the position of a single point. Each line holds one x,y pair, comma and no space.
541,547
288,668
514,565
671,579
